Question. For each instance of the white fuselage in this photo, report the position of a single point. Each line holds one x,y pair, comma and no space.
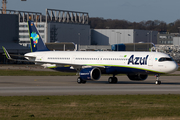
138,60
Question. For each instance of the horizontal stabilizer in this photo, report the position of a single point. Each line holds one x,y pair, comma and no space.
20,56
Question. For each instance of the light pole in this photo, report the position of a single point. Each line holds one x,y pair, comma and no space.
151,39
178,36
117,40
151,36
148,39
134,39
128,38
79,41
120,36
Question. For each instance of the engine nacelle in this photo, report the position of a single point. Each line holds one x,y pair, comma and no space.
90,73
137,77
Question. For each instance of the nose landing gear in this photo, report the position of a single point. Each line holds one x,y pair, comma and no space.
158,82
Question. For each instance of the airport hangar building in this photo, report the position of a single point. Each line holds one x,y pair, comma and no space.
64,27
56,25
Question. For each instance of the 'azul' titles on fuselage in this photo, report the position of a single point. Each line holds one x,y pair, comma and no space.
138,60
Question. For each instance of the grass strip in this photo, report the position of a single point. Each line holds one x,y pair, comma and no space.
104,107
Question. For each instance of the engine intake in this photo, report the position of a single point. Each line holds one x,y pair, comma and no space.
90,73
137,77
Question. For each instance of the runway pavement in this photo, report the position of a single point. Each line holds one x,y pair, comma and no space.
67,85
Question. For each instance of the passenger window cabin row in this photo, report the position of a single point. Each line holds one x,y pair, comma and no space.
65,58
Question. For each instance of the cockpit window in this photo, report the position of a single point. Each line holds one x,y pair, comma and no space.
165,59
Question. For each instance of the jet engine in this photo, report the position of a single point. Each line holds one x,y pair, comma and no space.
90,74
137,77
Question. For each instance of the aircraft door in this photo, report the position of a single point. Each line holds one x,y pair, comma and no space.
150,60
100,59
73,59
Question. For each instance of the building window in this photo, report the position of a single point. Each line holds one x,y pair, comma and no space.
163,37
40,26
23,31
23,36
41,31
22,25
24,41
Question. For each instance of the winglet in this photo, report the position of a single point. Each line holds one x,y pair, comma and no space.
6,53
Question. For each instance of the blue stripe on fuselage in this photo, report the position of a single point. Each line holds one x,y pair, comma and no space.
124,70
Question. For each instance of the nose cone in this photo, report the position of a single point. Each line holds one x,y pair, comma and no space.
174,67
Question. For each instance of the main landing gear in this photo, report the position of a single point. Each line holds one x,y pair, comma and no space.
158,82
79,80
112,79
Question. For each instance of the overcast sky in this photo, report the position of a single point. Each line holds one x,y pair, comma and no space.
131,10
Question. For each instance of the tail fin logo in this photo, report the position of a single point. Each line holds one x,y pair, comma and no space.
35,38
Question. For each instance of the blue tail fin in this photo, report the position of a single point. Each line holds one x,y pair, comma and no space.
35,39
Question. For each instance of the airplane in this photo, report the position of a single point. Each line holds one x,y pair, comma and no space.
91,64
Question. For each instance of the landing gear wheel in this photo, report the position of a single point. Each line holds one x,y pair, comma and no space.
79,80
158,82
115,80
112,80
83,81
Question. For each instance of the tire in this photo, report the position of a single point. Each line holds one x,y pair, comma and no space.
83,81
110,79
79,80
158,82
115,80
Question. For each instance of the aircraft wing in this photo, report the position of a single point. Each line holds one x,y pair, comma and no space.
44,62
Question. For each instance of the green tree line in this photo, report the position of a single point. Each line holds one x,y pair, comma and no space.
156,25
